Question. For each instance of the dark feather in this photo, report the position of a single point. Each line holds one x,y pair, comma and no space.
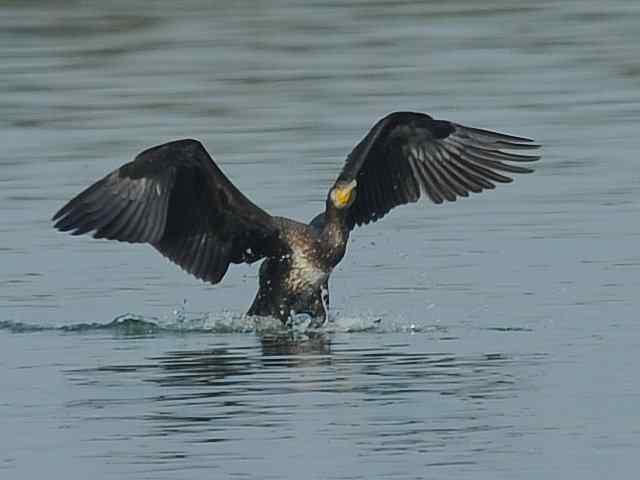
407,155
174,197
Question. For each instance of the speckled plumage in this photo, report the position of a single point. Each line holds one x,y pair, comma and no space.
297,281
174,197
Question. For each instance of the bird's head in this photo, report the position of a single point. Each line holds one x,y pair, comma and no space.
343,194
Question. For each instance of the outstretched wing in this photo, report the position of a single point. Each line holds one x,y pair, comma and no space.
407,155
174,197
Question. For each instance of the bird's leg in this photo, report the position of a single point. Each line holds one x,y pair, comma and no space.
324,298
319,309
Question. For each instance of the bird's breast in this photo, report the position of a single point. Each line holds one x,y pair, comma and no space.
306,270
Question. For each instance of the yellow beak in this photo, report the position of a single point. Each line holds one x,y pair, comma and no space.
345,194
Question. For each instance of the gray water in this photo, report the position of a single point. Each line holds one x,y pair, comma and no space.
496,337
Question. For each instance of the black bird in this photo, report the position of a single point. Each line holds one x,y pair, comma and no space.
174,197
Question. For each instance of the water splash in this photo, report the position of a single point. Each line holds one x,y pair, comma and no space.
132,324
181,321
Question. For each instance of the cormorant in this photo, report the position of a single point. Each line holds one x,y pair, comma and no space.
174,197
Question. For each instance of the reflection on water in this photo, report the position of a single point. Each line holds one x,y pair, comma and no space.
382,401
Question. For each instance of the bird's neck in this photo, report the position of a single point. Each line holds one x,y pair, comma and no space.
335,232
336,219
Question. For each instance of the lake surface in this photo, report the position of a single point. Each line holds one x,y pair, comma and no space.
497,337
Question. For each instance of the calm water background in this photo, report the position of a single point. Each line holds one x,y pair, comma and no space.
497,337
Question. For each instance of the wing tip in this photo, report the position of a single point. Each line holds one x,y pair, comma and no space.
501,140
56,216
518,145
